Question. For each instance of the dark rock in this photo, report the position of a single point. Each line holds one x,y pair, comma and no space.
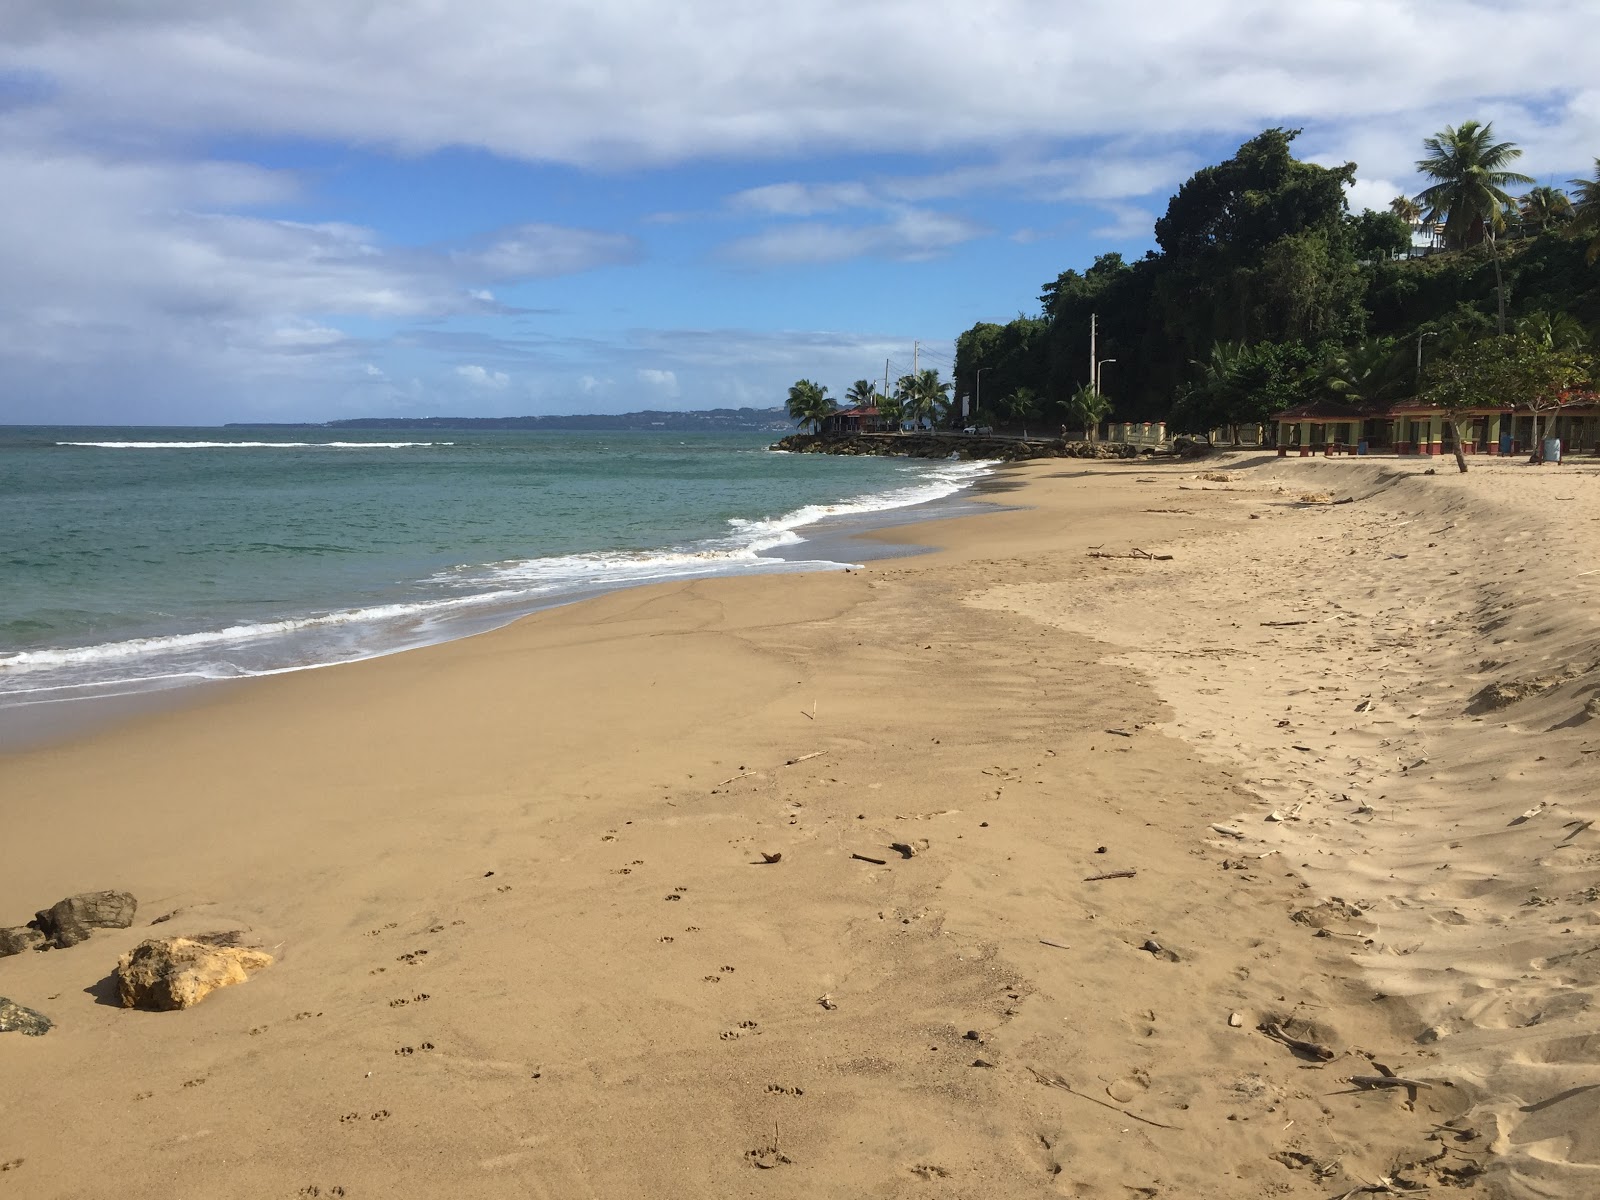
68,922
15,941
16,1019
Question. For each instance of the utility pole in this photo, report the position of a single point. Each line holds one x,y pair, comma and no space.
914,347
1094,382
886,379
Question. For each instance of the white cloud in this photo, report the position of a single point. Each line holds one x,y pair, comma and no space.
1127,224
666,382
589,81
910,234
481,377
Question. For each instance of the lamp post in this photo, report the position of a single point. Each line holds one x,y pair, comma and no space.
1097,367
1426,333
977,403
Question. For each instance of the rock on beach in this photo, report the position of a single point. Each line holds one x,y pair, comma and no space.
14,1018
68,922
163,974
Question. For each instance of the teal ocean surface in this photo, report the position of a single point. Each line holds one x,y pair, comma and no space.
133,559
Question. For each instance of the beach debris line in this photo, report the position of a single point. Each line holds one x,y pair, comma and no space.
14,1018
1056,1081
1128,874
827,1002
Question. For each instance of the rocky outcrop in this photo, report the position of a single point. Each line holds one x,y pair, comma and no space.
16,1019
164,974
68,922
20,938
962,446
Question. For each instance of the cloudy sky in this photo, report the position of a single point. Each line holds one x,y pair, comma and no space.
214,210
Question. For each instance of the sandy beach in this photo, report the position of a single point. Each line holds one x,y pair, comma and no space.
1321,777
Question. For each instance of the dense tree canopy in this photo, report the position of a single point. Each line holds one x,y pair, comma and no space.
1266,292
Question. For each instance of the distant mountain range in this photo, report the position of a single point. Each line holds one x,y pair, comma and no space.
711,419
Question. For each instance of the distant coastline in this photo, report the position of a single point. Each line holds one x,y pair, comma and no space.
711,420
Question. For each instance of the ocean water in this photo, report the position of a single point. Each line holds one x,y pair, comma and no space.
135,559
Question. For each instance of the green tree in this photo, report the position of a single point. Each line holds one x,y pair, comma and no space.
1500,372
1586,210
1379,235
1469,169
1542,209
862,394
923,395
1088,407
809,404
1369,372
1407,209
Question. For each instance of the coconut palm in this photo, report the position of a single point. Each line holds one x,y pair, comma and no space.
1089,407
1558,331
1470,169
1366,373
1586,209
862,394
809,404
1543,208
923,394
1407,209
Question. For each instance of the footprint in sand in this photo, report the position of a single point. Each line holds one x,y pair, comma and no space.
194,1082
672,896
303,1016
711,978
778,1089
11,1164
407,1051
623,871
402,1002
143,1095
259,1029
377,970
313,1190
930,1171
413,958
767,1157
609,836
349,1117
665,938
381,1115
743,1028
504,887
727,970
691,929
379,932
436,929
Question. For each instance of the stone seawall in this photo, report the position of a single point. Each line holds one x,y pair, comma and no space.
925,445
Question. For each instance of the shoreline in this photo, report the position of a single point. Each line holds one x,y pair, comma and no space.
1026,720
50,719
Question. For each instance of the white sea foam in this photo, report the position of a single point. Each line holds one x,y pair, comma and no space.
252,445
484,595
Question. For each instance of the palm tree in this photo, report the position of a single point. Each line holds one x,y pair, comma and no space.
1561,331
1365,373
1543,208
1089,407
923,394
862,394
1470,194
809,404
1407,209
1586,209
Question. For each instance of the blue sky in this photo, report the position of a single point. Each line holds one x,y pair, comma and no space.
219,211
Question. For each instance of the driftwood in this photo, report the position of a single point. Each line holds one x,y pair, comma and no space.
1300,1046
1134,553
875,861
1383,1081
1110,875
1054,945
1282,624
1056,1081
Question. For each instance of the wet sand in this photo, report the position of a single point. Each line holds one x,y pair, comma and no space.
527,942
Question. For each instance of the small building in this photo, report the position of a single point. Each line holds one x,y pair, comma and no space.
864,418
1416,427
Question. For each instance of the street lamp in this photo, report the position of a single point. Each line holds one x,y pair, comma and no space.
978,402
1097,367
1426,333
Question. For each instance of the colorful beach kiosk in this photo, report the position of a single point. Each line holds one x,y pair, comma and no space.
1415,427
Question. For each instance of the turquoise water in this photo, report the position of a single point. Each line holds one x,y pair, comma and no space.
138,558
